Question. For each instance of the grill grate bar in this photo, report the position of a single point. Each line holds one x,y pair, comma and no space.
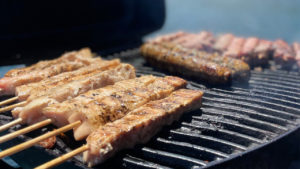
279,73
262,106
275,90
234,125
274,77
274,85
264,79
191,149
210,129
134,162
257,101
273,97
245,120
207,138
293,99
249,110
171,159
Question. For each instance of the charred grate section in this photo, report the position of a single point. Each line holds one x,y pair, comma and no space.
233,121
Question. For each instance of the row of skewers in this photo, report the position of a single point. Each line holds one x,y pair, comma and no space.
101,100
252,50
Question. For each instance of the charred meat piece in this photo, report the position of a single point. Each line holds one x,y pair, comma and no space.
283,54
223,42
85,53
139,125
98,107
186,65
32,111
240,70
40,88
296,48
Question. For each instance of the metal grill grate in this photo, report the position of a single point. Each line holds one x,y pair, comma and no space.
233,121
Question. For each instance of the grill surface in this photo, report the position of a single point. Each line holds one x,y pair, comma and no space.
232,122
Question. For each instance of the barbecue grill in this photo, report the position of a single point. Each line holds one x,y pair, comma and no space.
252,125
234,124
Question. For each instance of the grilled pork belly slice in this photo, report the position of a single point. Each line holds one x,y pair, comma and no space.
84,53
139,125
32,112
40,88
97,107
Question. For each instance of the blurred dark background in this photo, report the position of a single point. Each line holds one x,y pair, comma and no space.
33,30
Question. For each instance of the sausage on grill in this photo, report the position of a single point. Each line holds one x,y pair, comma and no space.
239,69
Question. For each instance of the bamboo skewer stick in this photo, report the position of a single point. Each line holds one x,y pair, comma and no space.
25,130
10,124
30,143
7,101
63,158
10,107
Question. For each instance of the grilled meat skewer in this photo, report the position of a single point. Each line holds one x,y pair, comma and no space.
139,125
9,84
85,53
97,107
32,111
33,90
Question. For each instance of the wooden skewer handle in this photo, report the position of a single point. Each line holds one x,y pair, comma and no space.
24,130
10,107
8,101
63,158
10,124
30,143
